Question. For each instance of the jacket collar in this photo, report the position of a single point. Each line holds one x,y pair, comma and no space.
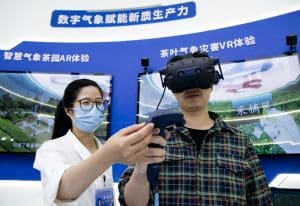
79,147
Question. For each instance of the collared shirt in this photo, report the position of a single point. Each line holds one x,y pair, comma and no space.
54,157
224,171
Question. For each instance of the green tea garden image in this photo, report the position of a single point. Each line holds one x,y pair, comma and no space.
23,124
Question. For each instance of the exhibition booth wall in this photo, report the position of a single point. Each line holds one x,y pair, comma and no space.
252,50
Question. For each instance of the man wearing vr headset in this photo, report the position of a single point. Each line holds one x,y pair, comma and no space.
207,162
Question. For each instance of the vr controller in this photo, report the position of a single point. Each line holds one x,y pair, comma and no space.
164,120
191,73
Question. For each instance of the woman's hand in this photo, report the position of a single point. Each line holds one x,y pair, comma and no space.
130,144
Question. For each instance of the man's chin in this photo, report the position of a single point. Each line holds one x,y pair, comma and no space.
194,109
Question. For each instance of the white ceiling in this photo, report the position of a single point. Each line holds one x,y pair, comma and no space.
29,20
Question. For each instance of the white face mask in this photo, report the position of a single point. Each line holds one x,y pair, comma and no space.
89,121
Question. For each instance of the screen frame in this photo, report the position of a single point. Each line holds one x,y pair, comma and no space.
140,75
102,139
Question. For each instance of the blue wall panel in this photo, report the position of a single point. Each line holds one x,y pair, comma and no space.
122,61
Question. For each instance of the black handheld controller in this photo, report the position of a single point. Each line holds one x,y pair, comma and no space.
164,120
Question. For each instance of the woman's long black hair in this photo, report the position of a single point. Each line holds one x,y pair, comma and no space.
62,122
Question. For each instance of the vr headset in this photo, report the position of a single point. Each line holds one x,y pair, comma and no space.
191,73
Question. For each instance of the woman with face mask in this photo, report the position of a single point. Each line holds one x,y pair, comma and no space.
74,165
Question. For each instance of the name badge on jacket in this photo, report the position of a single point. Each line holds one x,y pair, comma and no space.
105,195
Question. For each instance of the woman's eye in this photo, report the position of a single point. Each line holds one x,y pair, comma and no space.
85,102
